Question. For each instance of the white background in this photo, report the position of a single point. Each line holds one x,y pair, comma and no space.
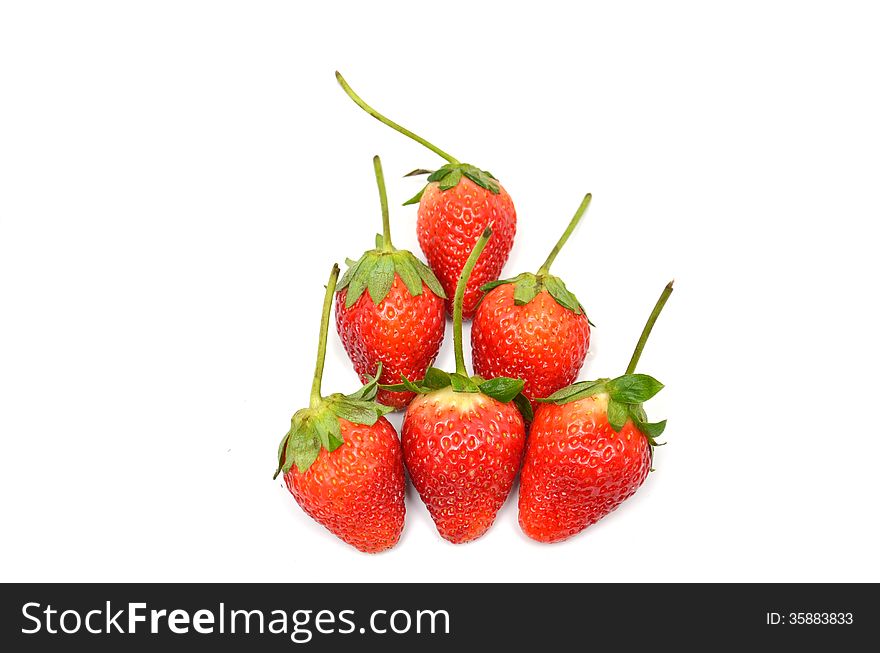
177,177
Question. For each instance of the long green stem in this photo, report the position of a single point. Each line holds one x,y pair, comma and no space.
378,116
322,339
568,230
648,326
459,299
383,199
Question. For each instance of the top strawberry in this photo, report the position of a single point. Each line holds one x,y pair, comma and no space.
457,204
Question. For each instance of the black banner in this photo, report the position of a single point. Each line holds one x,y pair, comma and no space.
108,617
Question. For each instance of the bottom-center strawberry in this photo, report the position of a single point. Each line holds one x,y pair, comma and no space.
463,437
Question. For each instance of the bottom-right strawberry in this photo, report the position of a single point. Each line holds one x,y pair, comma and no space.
589,449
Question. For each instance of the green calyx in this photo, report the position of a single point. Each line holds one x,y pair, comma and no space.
375,270
527,286
626,393
450,174
318,425
502,389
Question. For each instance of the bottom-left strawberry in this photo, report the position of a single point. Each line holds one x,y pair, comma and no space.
342,460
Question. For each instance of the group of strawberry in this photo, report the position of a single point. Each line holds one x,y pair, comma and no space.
589,445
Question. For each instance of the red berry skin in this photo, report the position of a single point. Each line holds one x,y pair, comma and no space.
404,332
462,451
449,224
577,469
541,342
356,491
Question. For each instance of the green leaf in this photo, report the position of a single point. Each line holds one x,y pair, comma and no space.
302,448
441,172
361,278
408,272
282,451
380,241
417,172
637,412
395,387
427,275
461,383
575,391
415,199
486,287
367,392
284,460
562,295
357,395
414,387
450,180
481,178
335,442
502,388
349,273
633,388
525,407
652,429
617,414
436,379
382,409
525,289
357,412
327,427
381,279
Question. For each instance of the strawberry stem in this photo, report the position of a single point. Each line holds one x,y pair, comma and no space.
648,326
544,269
322,339
459,299
383,199
378,116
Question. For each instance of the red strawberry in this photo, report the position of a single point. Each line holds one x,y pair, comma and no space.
458,203
389,311
357,491
342,461
463,437
590,448
451,221
462,450
532,328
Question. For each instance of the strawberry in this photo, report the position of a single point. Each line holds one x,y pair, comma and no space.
342,460
389,311
459,201
590,448
532,327
449,222
463,437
